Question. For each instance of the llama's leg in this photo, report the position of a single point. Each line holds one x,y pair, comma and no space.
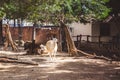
50,55
54,55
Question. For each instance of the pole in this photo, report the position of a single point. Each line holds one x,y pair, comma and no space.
19,31
33,36
1,35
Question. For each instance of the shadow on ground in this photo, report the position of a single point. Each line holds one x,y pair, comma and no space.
61,68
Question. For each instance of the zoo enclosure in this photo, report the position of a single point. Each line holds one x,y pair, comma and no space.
113,41
42,35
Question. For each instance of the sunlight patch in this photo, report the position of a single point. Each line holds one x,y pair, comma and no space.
12,53
61,71
4,70
6,66
22,75
117,68
48,65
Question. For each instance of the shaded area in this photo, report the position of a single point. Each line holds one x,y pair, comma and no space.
63,68
100,50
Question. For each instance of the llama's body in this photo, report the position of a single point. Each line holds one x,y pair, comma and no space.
51,47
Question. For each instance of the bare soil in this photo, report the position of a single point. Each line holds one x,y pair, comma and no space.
61,68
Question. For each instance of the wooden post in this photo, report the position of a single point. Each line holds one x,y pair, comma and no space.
33,47
33,37
77,41
77,38
80,39
60,39
99,40
19,31
88,38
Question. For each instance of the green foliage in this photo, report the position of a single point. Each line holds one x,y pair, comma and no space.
94,10
9,9
2,14
56,10
75,10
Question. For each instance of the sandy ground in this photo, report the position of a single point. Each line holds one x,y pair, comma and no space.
61,68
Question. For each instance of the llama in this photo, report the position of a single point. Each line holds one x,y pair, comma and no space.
51,48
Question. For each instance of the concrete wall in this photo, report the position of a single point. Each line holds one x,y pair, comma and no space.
42,34
94,30
79,28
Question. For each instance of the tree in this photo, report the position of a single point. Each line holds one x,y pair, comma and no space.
16,9
61,12
9,39
66,11
1,17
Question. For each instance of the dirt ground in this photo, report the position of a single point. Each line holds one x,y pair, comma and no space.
61,68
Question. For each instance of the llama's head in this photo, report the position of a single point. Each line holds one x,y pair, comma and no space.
55,39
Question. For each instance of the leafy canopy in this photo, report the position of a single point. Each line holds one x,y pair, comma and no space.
72,10
55,10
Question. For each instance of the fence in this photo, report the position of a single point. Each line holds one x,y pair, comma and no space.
110,41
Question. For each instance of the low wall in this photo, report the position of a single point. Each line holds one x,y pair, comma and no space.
42,34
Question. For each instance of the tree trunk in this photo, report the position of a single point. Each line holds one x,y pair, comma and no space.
70,44
1,40
33,38
14,23
9,39
72,50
